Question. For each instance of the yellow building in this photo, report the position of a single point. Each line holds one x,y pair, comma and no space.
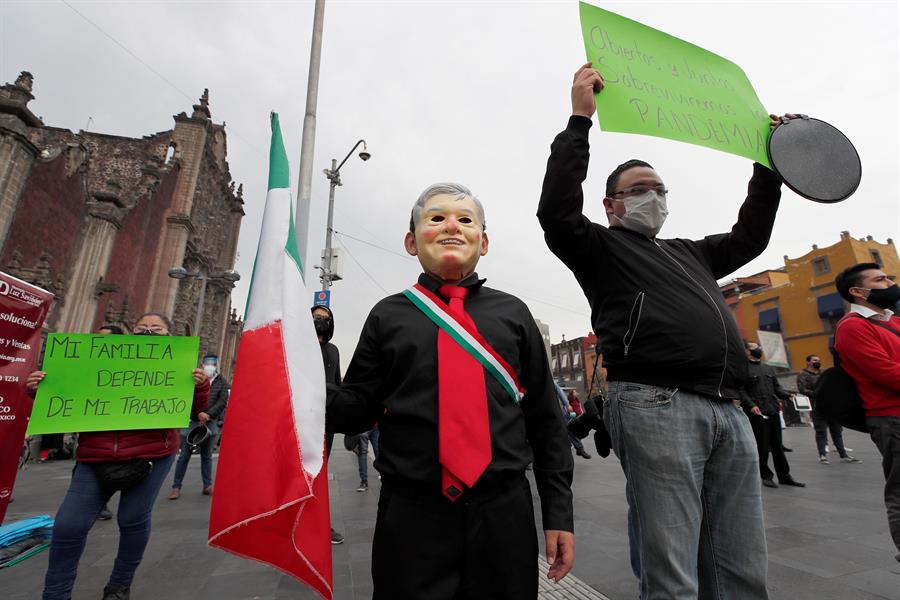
800,300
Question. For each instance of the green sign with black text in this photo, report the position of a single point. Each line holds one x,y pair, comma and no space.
114,382
656,84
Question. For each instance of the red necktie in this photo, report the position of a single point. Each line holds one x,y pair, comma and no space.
463,428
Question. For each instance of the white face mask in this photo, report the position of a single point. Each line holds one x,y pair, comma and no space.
210,370
645,213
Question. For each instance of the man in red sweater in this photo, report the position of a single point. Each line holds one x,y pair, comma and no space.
870,353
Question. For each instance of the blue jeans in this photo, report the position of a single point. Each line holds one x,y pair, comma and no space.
693,489
77,514
362,454
205,456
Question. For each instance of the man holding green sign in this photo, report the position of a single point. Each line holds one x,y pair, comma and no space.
675,363
128,395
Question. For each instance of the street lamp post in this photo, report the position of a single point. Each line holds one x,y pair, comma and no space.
182,273
334,176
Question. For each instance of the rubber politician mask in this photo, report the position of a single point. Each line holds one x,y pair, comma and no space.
449,238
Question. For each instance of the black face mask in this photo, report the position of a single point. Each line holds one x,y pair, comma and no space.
817,365
148,332
884,298
756,353
322,325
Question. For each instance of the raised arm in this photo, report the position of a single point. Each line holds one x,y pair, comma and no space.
566,230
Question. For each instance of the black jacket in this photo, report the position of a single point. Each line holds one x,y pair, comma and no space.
331,357
806,383
218,398
393,379
762,389
655,305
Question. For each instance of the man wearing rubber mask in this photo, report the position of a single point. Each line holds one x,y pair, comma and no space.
456,375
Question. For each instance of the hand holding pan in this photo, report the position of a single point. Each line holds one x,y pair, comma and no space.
813,158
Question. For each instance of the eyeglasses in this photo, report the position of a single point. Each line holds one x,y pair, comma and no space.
639,190
153,328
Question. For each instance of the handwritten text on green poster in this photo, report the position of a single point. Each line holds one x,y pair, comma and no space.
659,85
113,382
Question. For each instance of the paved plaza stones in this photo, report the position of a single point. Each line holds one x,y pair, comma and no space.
827,541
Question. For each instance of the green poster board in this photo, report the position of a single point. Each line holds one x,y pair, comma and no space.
114,382
659,85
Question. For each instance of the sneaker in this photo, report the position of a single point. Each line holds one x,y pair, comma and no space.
363,486
827,449
105,514
114,593
336,538
823,459
850,459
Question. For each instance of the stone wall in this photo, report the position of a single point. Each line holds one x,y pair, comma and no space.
99,220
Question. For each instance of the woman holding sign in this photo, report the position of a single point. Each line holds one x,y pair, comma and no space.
133,462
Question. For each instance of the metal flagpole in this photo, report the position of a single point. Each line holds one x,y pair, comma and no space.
307,150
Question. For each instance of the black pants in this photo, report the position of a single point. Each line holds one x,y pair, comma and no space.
885,432
481,547
823,426
767,432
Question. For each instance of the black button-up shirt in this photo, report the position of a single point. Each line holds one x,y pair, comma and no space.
392,380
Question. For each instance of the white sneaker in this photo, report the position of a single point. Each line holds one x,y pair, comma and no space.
850,459
823,459
827,449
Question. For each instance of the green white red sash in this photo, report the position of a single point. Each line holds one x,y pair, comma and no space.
458,328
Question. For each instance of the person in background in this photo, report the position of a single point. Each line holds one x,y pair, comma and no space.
760,399
806,385
88,493
867,342
362,456
568,414
323,320
218,400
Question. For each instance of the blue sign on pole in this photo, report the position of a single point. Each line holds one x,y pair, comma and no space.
322,298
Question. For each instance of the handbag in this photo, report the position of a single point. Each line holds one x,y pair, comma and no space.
121,476
837,397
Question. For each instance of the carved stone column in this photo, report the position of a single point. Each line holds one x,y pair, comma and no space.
17,153
90,264
189,138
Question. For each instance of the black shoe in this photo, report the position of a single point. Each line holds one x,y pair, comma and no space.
769,483
336,538
105,514
786,449
792,482
582,453
115,593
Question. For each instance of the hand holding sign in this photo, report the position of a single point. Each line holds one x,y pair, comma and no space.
587,82
656,84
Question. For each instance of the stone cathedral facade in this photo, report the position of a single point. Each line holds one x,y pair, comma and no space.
99,220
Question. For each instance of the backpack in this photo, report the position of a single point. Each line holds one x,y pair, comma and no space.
836,395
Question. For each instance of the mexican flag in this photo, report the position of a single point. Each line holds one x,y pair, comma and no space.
271,497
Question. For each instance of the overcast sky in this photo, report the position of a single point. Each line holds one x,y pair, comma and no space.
472,92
